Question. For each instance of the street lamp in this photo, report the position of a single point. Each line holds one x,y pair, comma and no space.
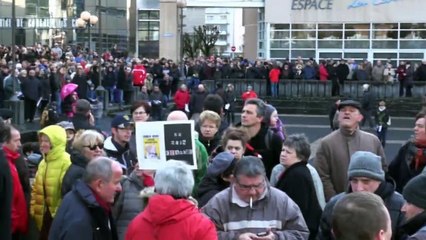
180,5
87,20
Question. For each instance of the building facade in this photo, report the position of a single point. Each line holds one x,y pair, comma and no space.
356,29
49,21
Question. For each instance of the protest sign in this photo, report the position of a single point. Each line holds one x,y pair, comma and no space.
158,142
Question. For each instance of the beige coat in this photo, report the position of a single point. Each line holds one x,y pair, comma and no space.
333,156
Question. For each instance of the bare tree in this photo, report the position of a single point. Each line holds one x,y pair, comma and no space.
207,35
191,45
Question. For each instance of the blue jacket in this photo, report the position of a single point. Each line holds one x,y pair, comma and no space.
81,217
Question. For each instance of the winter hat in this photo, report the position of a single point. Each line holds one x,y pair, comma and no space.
220,164
268,111
366,164
414,192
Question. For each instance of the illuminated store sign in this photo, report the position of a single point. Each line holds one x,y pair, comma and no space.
38,23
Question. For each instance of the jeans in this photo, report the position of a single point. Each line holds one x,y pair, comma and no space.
382,135
274,89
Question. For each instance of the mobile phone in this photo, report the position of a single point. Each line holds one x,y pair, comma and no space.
262,234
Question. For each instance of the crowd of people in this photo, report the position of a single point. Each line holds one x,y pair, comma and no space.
253,180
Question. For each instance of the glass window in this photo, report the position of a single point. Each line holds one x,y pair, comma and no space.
279,54
260,45
303,53
357,44
357,27
413,26
149,14
303,44
223,17
330,26
355,55
412,34
330,44
357,34
411,55
303,34
303,26
280,26
279,34
31,9
385,44
333,55
385,34
330,35
384,55
210,18
413,44
280,44
385,26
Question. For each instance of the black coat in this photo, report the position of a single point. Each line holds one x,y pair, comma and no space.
5,199
297,183
393,202
31,88
81,217
270,155
401,168
196,103
83,87
74,172
208,187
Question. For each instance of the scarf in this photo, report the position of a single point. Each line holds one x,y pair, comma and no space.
104,205
420,157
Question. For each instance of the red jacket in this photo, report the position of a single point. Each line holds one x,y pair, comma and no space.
169,218
274,75
181,98
139,75
323,73
19,205
248,94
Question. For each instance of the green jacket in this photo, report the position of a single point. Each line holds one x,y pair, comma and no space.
202,159
50,173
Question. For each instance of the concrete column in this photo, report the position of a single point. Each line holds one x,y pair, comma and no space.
250,36
169,35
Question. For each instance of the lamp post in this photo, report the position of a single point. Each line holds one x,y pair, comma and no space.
180,5
87,20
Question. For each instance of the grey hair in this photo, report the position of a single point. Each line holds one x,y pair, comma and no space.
174,179
249,166
260,105
300,144
98,168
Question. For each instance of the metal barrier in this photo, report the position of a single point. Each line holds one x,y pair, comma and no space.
316,88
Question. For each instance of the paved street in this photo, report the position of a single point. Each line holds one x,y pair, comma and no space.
314,126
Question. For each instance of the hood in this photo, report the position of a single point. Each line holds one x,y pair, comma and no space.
109,145
57,137
164,210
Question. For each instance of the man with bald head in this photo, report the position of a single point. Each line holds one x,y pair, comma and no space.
200,151
177,116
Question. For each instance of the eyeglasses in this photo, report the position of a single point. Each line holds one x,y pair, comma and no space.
139,113
93,147
249,187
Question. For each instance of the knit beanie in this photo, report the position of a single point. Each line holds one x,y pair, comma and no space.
414,192
268,112
366,164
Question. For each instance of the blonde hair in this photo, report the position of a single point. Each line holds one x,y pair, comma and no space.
86,138
211,116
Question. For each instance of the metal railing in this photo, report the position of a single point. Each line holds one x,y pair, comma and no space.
316,88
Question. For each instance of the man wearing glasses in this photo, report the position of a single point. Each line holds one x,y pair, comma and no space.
250,209
117,145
